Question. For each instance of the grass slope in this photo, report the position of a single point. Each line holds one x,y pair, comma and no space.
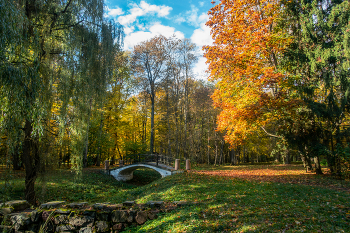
225,203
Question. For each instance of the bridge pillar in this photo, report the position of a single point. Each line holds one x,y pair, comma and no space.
188,164
106,164
177,164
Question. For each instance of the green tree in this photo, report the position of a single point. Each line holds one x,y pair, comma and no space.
318,63
52,52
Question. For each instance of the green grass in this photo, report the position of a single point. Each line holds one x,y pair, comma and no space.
225,204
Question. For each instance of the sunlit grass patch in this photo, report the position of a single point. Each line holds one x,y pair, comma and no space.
222,203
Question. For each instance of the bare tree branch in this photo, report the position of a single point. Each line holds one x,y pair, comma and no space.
270,135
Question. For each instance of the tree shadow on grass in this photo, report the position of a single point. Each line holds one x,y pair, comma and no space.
144,176
243,206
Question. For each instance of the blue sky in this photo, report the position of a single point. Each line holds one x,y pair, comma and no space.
145,19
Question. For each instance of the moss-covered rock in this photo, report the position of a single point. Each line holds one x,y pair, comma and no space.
101,226
110,218
20,221
6,211
119,216
35,216
65,228
52,204
81,221
77,204
18,205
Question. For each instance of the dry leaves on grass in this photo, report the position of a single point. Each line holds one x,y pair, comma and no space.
294,174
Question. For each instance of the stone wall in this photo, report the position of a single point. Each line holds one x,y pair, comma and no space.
16,216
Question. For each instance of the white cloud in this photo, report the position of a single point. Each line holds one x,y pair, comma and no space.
138,31
166,31
201,37
191,17
114,12
143,9
200,68
141,27
128,30
162,11
179,19
134,38
203,18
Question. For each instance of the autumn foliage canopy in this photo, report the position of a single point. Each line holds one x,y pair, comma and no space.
243,61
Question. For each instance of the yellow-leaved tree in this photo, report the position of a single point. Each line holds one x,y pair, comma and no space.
243,62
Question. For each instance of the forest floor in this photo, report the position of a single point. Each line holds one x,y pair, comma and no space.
252,198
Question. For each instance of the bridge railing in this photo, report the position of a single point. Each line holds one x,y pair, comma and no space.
163,159
149,158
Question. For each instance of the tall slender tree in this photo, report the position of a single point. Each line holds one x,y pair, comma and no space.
148,61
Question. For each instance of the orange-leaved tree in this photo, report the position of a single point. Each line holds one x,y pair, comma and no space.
243,62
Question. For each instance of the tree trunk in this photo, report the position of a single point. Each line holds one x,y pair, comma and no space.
208,149
306,161
86,148
85,152
201,141
186,115
151,147
31,162
232,157
16,162
286,157
216,153
330,158
168,153
60,157
336,156
99,153
303,159
221,153
318,166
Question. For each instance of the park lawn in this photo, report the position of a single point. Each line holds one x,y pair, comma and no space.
222,203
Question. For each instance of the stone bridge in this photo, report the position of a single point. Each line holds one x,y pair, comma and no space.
127,172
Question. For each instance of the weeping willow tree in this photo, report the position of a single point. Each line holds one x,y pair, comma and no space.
57,53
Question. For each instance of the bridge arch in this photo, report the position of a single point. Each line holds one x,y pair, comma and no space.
127,172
